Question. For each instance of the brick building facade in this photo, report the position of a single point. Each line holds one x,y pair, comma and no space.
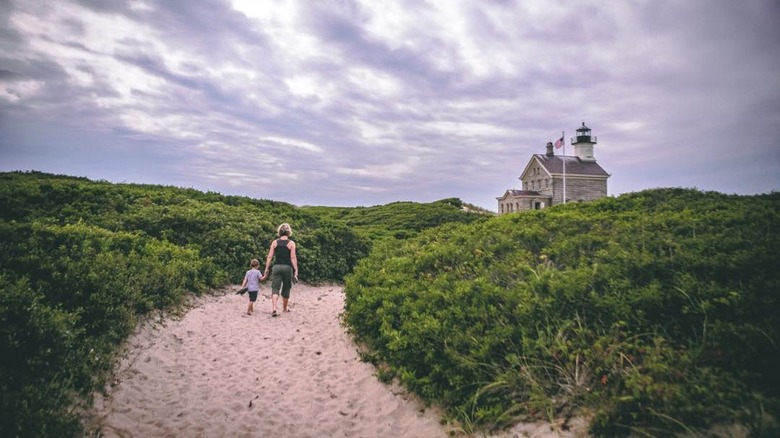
543,177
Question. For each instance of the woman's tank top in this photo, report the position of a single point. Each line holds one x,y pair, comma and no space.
282,253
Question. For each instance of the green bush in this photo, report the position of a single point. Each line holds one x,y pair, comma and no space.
656,311
68,296
43,363
228,230
398,220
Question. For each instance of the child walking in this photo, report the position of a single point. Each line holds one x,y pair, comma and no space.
252,283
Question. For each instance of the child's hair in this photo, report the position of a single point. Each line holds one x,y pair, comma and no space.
284,230
254,263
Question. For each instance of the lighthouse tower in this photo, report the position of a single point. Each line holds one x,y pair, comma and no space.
550,179
583,144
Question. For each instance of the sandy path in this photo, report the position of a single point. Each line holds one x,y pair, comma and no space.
217,372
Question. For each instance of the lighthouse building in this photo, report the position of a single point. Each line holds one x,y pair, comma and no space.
550,179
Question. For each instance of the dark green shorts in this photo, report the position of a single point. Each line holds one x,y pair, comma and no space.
281,279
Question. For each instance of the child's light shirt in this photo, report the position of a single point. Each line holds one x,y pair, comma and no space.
253,279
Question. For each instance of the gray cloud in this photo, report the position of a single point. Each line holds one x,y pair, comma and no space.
361,103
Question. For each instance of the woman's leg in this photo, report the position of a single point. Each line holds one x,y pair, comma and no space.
276,286
286,286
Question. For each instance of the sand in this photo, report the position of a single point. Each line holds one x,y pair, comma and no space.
217,372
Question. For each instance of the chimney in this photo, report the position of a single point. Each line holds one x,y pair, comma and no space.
550,149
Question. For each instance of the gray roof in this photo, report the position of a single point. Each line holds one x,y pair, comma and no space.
523,193
574,165
515,192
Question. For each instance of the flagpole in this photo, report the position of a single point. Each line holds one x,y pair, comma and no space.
563,136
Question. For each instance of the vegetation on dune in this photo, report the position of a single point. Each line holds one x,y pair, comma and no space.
400,220
68,295
82,261
228,230
653,313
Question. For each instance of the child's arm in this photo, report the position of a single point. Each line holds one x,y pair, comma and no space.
243,285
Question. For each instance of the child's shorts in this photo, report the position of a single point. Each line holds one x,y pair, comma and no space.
253,295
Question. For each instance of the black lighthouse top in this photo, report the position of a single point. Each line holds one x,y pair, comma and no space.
583,135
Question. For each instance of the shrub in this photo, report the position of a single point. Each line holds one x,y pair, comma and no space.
654,310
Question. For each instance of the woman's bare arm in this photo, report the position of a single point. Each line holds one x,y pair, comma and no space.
268,260
294,259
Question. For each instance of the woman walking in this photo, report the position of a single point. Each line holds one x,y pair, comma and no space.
285,270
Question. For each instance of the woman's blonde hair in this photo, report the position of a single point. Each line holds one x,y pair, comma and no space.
284,230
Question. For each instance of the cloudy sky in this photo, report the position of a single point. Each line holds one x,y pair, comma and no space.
365,102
